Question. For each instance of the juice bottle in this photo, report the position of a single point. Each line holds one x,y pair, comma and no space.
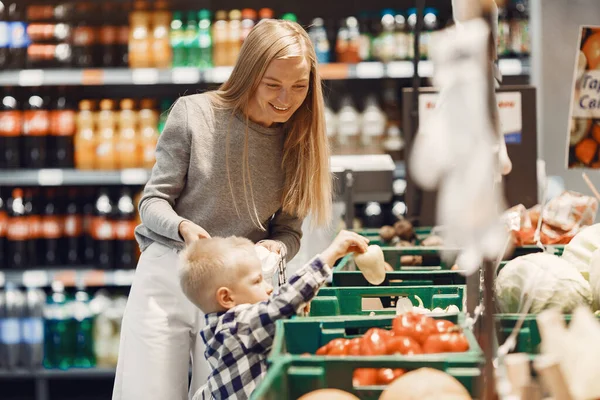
248,21
220,31
139,38
401,38
102,231
318,36
128,153
430,25
161,49
384,45
265,13
62,130
205,42
148,134
348,41
35,131
11,123
234,36
106,154
85,147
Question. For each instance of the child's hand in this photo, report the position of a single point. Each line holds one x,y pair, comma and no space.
345,243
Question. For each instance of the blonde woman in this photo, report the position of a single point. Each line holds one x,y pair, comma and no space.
250,159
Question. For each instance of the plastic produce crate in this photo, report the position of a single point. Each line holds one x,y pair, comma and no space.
298,336
290,379
373,235
346,273
333,301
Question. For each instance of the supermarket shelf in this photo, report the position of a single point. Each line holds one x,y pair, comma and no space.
153,76
73,373
70,277
59,177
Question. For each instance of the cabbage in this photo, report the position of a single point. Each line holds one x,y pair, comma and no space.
579,251
552,281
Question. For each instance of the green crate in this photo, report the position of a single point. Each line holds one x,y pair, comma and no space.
556,249
333,301
299,336
290,379
346,273
373,235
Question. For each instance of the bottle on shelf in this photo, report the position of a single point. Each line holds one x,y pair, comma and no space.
72,240
161,49
401,38
249,17
519,28
504,32
190,40
220,31
88,247
331,127
165,105
19,41
106,137
128,150
35,241
393,143
430,25
36,126
102,231
62,131
108,35
125,223
265,13
411,24
205,42
176,38
32,329
52,229
58,338
373,126
17,231
10,335
83,356
122,41
103,328
289,17
348,42
318,36
85,138
4,36
366,38
234,35
348,127
84,36
384,46
148,132
139,37
11,122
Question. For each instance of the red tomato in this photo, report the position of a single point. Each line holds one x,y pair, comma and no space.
403,345
323,350
374,343
450,342
414,325
385,376
442,326
338,347
364,377
354,347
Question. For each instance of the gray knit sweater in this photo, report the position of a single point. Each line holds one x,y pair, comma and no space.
189,180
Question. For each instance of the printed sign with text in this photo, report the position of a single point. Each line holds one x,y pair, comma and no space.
583,138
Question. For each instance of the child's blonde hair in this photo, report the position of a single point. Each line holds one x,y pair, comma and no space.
207,264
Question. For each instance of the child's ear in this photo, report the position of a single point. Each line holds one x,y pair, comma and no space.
225,298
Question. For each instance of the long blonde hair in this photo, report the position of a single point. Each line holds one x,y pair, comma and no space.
308,180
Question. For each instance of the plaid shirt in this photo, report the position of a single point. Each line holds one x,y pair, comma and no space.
239,340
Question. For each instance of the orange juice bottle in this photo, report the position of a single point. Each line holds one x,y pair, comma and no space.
128,153
140,37
234,36
106,138
161,45
148,134
220,39
85,145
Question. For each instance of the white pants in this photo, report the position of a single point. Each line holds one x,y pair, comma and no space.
160,331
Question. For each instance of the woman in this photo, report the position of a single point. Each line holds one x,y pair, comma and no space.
250,159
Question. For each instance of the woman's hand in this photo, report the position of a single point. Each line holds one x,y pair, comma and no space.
191,232
272,245
346,242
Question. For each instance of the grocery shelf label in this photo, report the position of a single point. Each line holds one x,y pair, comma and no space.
370,70
218,74
583,136
67,278
334,71
400,69
510,67
144,76
31,77
94,278
426,69
92,77
185,75
123,277
33,279
134,176
50,177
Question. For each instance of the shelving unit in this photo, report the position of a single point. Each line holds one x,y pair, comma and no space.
69,276
153,76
